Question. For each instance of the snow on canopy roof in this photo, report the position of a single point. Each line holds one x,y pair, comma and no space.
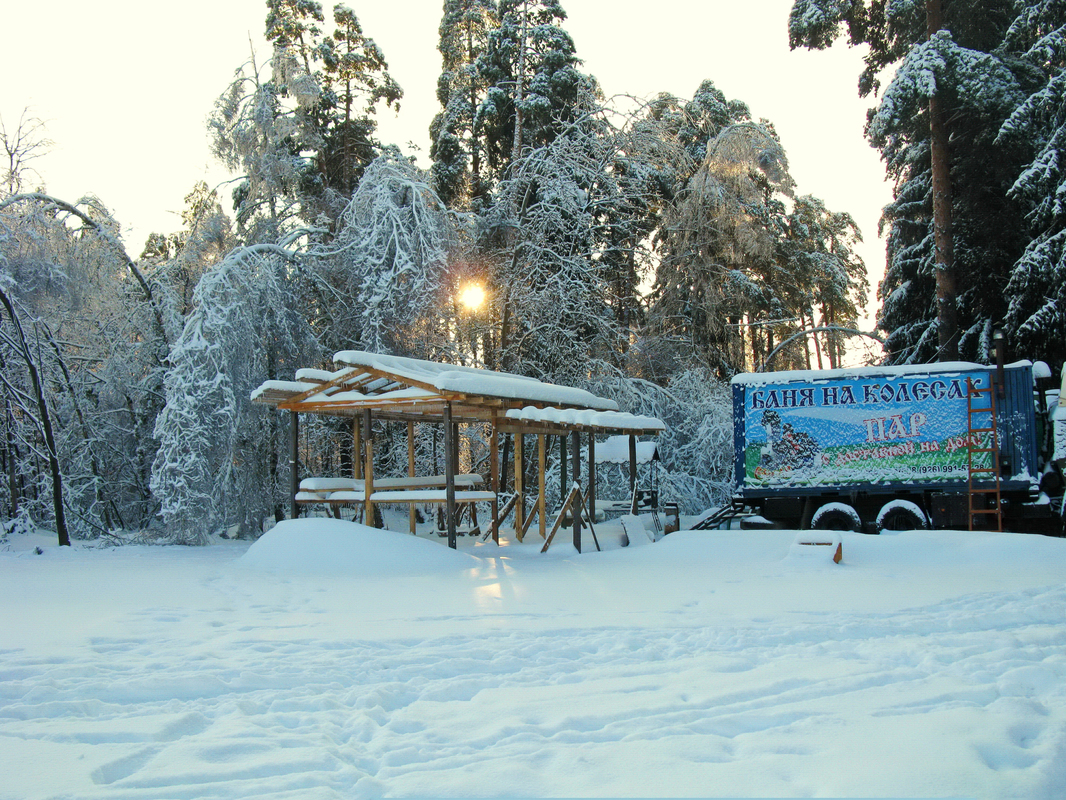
805,375
616,451
586,418
450,378
281,387
319,375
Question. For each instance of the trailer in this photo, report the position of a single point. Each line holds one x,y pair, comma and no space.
949,445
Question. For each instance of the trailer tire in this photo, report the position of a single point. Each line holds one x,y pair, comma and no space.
901,515
836,517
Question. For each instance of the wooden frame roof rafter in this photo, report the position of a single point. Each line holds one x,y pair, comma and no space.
398,388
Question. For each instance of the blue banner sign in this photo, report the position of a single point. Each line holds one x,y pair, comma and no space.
885,428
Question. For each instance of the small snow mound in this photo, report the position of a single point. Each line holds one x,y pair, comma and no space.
339,547
814,546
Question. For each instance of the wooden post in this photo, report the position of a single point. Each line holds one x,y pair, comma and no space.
519,481
294,456
564,486
632,464
449,474
368,470
357,449
494,469
542,458
412,516
575,457
592,479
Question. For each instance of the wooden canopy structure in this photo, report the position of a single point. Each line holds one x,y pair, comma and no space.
368,386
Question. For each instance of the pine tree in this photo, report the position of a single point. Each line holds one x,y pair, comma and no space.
457,140
1036,318
975,88
303,137
535,86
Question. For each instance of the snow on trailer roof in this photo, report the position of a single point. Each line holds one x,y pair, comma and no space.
789,376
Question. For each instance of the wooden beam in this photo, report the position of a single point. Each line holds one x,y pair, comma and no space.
324,386
294,460
632,465
570,505
563,484
575,459
368,468
357,449
542,460
494,468
412,516
529,520
449,474
592,484
519,482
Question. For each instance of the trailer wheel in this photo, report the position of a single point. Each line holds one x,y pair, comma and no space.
901,515
836,517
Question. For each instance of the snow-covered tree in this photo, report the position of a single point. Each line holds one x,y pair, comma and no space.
535,86
457,140
21,145
961,65
219,457
1036,317
303,136
385,270
97,342
570,223
718,245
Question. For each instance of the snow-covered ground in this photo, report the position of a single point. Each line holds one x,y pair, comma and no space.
332,660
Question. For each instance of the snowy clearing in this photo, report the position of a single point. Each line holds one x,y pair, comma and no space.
332,660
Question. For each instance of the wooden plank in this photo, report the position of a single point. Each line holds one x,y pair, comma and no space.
592,482
508,507
411,469
530,518
592,528
576,490
357,449
542,500
294,461
519,482
368,468
575,459
449,474
324,386
494,469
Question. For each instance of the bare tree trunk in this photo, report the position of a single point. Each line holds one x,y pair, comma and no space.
45,422
942,222
516,152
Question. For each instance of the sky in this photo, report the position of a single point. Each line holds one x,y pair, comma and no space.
125,88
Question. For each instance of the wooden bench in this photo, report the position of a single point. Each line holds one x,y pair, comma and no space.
335,493
344,491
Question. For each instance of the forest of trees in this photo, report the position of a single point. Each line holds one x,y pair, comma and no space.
644,250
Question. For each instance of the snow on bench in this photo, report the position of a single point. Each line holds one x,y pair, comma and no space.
339,491
430,496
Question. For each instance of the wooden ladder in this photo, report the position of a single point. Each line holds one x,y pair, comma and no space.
983,481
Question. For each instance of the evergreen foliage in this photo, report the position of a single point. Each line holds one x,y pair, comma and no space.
457,148
992,66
